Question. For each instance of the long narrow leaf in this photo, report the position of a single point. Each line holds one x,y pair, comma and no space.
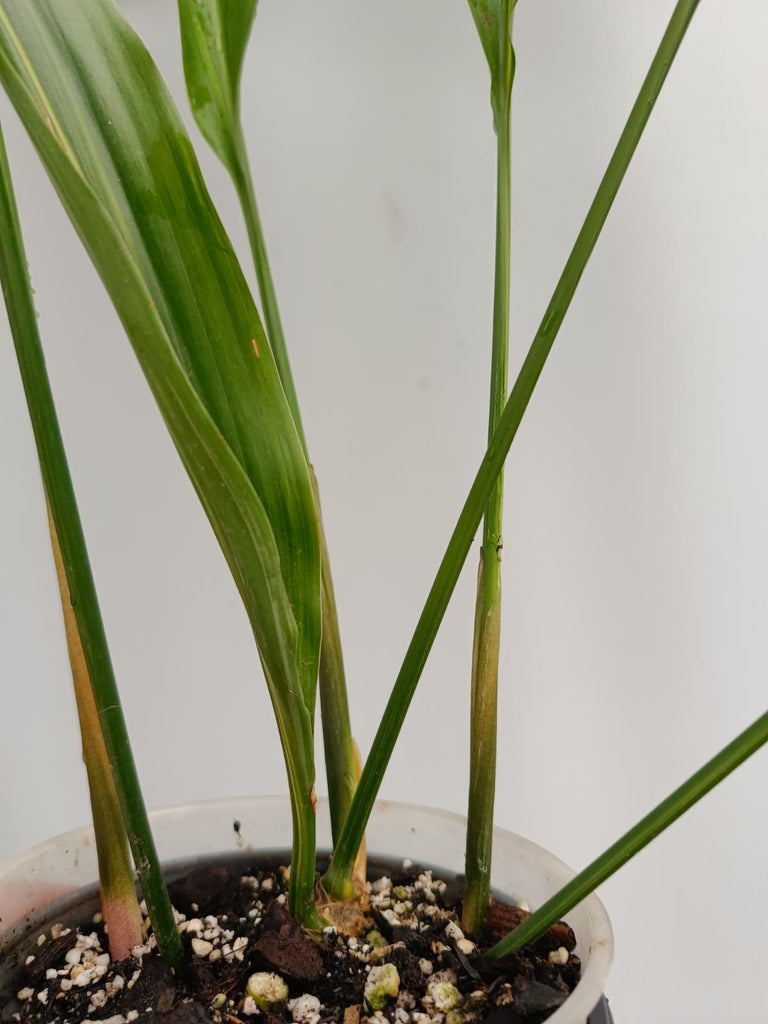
114,145
214,34
638,837
78,590
85,79
337,880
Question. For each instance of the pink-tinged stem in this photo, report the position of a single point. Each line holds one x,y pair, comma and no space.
118,890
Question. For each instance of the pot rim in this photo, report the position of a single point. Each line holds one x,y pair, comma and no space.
31,865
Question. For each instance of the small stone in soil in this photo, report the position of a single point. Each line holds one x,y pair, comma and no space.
266,989
238,926
535,997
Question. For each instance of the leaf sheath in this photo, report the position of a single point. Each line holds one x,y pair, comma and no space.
119,904
487,633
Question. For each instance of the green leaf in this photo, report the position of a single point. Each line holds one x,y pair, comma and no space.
113,143
493,19
95,685
214,35
337,877
638,837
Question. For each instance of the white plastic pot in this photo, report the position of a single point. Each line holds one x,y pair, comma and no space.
34,882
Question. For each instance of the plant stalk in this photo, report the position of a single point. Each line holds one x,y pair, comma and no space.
340,758
273,322
301,882
118,891
84,601
487,634
661,817
337,879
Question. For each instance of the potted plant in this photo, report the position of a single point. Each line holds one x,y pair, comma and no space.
124,224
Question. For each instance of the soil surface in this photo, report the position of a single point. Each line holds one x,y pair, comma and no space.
405,961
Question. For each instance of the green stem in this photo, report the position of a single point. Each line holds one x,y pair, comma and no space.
247,196
485,654
337,878
301,883
340,759
334,706
60,493
118,889
661,817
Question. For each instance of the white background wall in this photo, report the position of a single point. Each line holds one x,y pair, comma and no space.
636,552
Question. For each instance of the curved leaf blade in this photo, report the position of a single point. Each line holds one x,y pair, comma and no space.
493,19
95,102
214,36
114,145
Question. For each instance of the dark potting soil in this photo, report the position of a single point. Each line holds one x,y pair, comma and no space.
407,961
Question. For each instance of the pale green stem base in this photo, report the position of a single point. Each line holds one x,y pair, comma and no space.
485,655
340,757
482,776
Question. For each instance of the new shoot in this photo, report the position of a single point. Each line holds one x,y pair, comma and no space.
493,19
